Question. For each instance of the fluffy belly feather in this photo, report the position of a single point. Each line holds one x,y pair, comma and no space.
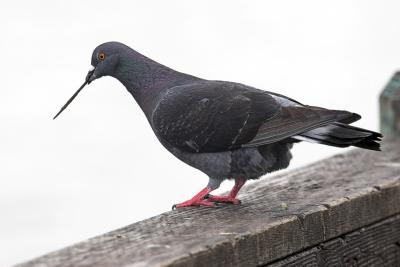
248,163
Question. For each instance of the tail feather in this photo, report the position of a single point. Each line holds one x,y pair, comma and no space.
369,144
375,135
342,135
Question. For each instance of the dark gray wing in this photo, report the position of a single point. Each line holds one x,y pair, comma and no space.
218,116
211,116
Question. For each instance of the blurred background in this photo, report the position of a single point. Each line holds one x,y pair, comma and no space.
99,167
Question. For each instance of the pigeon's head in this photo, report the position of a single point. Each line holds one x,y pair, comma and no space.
105,59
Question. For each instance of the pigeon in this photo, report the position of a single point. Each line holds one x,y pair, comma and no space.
225,129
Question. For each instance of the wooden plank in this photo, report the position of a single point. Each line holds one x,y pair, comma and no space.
278,216
374,245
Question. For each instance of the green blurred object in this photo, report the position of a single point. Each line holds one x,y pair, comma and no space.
390,107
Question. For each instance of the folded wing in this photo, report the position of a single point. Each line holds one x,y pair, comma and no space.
218,116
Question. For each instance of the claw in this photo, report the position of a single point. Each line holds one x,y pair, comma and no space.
224,199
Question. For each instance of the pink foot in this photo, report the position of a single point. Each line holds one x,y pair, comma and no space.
224,199
197,200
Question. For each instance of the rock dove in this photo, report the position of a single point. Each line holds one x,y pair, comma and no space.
227,130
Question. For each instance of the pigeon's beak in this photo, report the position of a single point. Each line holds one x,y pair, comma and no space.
89,78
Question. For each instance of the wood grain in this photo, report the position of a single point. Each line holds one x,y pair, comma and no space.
280,215
374,245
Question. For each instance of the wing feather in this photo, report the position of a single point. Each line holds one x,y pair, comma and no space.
293,120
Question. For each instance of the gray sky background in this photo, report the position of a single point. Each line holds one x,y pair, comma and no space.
99,166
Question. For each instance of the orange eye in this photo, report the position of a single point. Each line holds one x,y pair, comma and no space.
101,56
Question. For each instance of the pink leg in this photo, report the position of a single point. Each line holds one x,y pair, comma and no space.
231,198
197,200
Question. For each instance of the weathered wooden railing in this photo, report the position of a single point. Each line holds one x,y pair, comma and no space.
342,211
